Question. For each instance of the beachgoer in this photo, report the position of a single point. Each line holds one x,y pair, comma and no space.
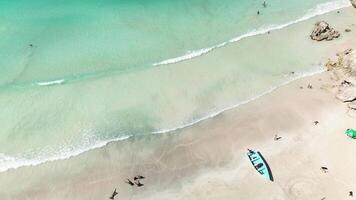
316,122
130,182
324,169
139,184
276,137
345,82
113,194
351,194
310,86
264,4
258,12
138,177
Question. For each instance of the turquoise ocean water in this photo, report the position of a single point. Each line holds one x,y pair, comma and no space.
77,74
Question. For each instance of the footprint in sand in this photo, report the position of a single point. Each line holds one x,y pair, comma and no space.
301,188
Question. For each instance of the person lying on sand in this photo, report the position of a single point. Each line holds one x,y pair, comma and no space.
316,122
345,82
113,194
139,184
276,137
130,182
139,177
324,169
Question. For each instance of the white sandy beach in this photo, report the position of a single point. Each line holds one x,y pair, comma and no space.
213,165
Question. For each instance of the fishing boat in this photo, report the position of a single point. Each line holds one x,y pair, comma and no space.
260,164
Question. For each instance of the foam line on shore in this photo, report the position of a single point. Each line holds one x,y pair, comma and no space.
51,83
9,162
218,112
318,10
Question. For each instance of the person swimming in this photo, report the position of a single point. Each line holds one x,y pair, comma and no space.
264,4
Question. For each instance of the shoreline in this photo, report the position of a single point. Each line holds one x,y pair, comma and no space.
207,160
216,157
101,144
314,12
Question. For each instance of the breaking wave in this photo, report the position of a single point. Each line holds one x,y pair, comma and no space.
318,10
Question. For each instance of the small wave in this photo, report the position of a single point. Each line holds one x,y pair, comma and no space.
218,112
10,162
187,56
50,83
318,10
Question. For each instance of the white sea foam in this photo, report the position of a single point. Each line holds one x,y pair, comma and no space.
189,55
9,162
318,10
218,112
49,83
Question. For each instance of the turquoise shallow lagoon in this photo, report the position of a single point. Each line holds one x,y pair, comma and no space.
74,40
90,77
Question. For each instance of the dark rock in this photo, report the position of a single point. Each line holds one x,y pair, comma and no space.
353,2
322,31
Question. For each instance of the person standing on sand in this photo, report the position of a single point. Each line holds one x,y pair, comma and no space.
113,194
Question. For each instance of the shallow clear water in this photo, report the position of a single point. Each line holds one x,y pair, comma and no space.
75,39
100,55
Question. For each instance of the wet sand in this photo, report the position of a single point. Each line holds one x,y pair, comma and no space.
208,161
